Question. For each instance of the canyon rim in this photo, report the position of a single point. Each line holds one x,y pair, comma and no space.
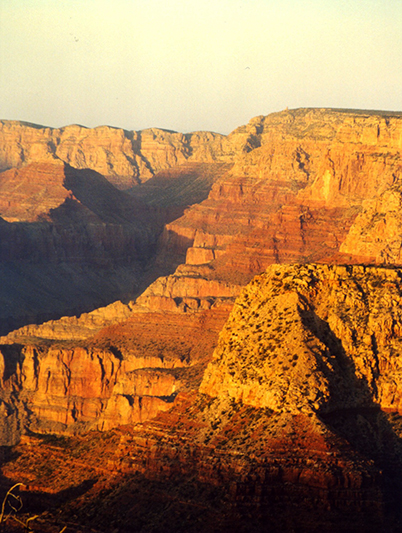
203,332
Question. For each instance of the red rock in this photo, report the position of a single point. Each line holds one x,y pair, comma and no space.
304,434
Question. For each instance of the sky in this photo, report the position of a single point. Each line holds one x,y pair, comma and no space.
188,65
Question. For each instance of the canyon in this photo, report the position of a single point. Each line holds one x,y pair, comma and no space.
206,327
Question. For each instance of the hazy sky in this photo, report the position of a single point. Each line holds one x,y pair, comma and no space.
195,64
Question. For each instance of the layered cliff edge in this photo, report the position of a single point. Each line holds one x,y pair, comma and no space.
69,242
125,158
286,187
300,405
296,425
300,185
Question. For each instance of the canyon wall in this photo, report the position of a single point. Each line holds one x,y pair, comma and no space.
297,191
295,195
299,409
69,242
126,373
294,186
125,158
58,196
296,425
298,416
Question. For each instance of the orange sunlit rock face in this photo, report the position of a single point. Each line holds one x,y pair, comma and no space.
126,373
264,238
293,186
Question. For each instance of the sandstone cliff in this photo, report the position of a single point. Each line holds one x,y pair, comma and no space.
125,158
312,339
295,192
296,427
299,180
293,186
375,235
126,373
69,242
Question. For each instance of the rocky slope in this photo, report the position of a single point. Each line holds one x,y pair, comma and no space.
126,373
286,187
69,242
295,194
299,409
296,426
296,186
313,339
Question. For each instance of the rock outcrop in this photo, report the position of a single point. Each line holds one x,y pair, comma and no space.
127,373
292,187
295,423
296,427
375,235
313,339
69,242
125,158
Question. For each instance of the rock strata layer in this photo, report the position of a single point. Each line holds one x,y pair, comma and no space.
297,420
125,158
313,339
126,373
283,188
295,186
296,425
69,242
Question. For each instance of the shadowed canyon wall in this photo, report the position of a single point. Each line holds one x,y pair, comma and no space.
301,402
69,242
296,425
294,186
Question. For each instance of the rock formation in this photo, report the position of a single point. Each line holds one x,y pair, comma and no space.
290,190
299,409
285,188
69,242
375,235
124,158
295,193
298,414
312,339
296,425
126,373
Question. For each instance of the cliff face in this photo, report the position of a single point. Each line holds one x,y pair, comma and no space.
68,224
295,194
293,186
69,242
299,409
127,373
298,414
89,388
375,235
296,425
312,339
125,158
